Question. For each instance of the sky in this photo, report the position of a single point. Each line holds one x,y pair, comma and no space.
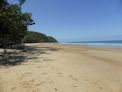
76,20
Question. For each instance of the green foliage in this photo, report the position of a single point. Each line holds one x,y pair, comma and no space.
35,37
51,39
21,2
13,22
3,3
14,25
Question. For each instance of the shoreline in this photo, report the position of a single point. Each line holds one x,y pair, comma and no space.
65,68
98,45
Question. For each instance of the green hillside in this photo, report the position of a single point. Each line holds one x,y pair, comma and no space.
36,37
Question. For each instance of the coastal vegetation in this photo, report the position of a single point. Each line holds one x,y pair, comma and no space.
36,37
13,23
14,32
14,26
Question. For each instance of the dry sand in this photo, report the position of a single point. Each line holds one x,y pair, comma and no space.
65,68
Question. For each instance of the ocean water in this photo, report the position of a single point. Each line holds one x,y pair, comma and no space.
103,44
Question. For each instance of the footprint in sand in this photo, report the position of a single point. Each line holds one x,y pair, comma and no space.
24,75
43,82
39,67
38,84
97,84
73,78
75,86
60,75
56,89
101,87
44,73
27,84
13,88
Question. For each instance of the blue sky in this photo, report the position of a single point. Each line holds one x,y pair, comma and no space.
76,20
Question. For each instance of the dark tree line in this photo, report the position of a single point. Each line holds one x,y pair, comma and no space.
13,23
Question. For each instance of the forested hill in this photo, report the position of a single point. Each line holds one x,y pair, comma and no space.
36,37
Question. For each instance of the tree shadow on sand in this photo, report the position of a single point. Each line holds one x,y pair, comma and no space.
17,57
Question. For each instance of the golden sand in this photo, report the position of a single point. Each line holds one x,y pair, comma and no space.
65,68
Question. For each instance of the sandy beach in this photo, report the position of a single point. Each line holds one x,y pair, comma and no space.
65,68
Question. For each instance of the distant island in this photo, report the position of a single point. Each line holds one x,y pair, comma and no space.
36,37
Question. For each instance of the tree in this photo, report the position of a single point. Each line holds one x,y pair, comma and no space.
36,37
21,2
52,39
13,23
3,3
